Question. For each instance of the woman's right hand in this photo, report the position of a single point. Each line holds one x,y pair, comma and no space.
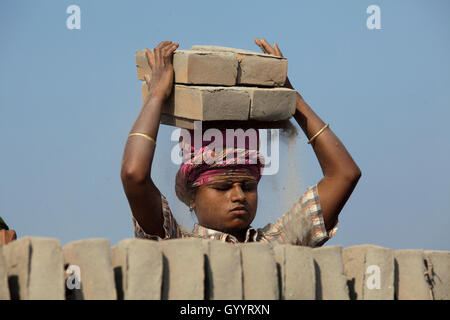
160,61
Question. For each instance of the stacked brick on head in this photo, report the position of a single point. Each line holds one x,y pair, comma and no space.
216,84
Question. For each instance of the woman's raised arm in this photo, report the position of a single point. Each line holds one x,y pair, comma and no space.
142,194
341,174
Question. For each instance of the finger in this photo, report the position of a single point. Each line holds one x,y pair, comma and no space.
157,56
268,47
167,44
263,45
277,50
167,49
150,58
158,52
164,49
259,44
164,53
169,52
164,56
163,44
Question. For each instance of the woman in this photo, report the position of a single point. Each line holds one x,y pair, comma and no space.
224,198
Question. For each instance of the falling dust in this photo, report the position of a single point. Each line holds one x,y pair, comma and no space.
292,185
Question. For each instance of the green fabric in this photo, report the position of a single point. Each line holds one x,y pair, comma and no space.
3,225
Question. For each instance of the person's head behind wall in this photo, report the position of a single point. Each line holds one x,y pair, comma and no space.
220,184
6,235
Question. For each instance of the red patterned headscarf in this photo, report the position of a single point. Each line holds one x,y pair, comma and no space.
203,164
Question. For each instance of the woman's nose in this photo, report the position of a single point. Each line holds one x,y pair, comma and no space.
237,194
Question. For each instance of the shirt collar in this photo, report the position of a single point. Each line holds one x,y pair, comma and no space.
251,235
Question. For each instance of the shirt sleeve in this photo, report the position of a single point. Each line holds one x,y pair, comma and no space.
170,225
303,224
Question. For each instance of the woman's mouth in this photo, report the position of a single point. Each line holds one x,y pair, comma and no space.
239,210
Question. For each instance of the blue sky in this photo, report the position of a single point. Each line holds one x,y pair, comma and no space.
68,99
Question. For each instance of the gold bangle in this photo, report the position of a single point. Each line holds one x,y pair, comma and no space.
142,135
317,134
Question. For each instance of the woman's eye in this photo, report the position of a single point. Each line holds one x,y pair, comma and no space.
249,187
245,187
222,188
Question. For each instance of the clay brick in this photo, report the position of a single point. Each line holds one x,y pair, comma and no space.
138,267
212,48
93,257
47,270
177,122
223,271
331,283
254,68
411,282
271,104
261,71
183,263
206,103
221,124
354,269
17,256
4,289
439,270
229,103
35,269
259,272
297,272
193,67
371,263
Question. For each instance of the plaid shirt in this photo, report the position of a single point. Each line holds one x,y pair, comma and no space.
302,225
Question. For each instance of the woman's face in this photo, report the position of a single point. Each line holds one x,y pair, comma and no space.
228,205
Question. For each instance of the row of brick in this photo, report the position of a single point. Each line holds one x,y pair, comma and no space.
195,269
210,103
221,84
221,66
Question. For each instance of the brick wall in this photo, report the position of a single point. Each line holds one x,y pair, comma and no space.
39,268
